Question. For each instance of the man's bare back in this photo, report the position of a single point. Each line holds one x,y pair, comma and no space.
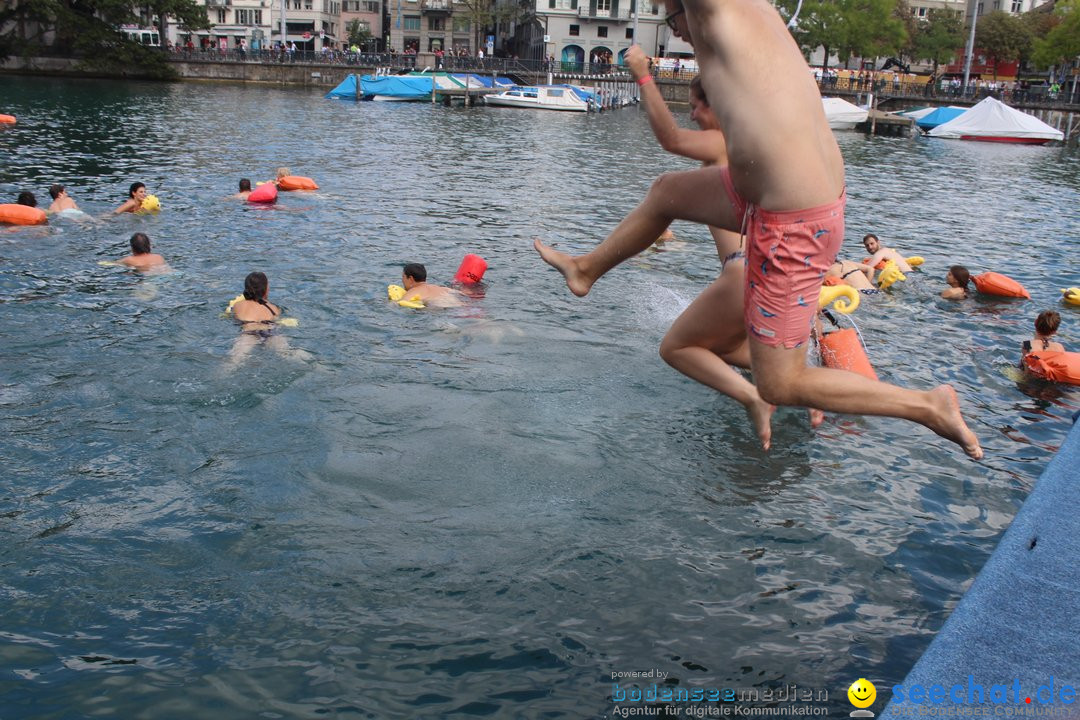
783,156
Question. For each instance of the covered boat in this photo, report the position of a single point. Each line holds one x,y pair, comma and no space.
346,90
841,114
994,121
396,87
544,97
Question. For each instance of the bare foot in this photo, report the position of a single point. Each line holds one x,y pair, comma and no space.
949,423
760,414
816,417
567,265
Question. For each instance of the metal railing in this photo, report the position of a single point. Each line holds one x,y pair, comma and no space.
885,88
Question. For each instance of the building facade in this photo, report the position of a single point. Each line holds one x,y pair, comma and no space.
311,24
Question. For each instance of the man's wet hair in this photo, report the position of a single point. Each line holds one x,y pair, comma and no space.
245,185
55,190
416,271
27,198
140,244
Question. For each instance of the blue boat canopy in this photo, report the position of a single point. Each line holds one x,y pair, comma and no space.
346,90
403,87
938,117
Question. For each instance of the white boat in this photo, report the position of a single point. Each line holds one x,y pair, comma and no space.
993,121
842,115
542,97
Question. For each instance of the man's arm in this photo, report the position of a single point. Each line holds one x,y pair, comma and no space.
704,146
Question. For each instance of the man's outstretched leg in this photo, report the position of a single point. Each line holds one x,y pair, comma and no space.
695,195
783,378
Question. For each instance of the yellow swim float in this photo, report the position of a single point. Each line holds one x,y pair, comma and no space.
396,293
846,298
150,204
1071,295
890,275
915,260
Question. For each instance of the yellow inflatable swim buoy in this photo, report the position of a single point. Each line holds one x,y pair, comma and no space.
285,321
1071,295
846,298
890,275
396,293
150,204
915,260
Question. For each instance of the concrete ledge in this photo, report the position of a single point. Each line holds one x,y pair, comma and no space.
1016,627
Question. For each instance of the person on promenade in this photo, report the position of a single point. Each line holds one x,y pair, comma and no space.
879,253
61,201
784,186
136,195
1046,325
141,258
414,280
245,189
958,278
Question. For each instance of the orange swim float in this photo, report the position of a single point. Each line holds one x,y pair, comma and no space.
992,283
1054,365
7,119
296,182
265,193
13,214
842,349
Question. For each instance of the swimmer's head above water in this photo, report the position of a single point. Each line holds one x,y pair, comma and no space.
256,287
245,185
140,244
413,274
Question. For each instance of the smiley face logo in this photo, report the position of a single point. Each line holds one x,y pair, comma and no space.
862,693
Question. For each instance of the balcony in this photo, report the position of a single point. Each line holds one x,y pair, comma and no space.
595,13
218,3
437,7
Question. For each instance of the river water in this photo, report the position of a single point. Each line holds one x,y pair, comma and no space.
487,510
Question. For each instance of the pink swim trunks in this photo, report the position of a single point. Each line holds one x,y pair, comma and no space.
787,254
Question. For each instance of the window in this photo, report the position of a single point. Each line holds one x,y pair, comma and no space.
436,23
435,44
1017,6
601,31
221,16
370,6
575,30
561,5
603,6
922,12
296,5
411,22
461,24
309,5
629,33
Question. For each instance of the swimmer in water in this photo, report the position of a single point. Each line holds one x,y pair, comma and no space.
879,253
414,280
61,201
141,258
258,318
957,278
136,195
1046,325
856,275
245,189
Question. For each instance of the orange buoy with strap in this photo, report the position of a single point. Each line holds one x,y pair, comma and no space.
842,349
471,270
265,193
7,119
880,263
296,182
1054,365
13,214
992,283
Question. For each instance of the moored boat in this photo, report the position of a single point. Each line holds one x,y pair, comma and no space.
543,97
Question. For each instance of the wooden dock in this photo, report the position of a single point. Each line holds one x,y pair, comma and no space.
470,96
884,123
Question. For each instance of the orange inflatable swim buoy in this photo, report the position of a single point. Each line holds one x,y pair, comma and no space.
471,270
842,349
993,283
296,182
880,263
265,193
1054,365
13,214
7,119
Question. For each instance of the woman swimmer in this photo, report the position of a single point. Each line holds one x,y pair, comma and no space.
1046,325
958,278
258,318
136,195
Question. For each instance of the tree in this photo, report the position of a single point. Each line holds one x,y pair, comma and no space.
1061,43
939,37
359,34
1002,37
867,28
89,29
486,14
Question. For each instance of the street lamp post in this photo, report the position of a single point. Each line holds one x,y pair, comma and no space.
970,43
